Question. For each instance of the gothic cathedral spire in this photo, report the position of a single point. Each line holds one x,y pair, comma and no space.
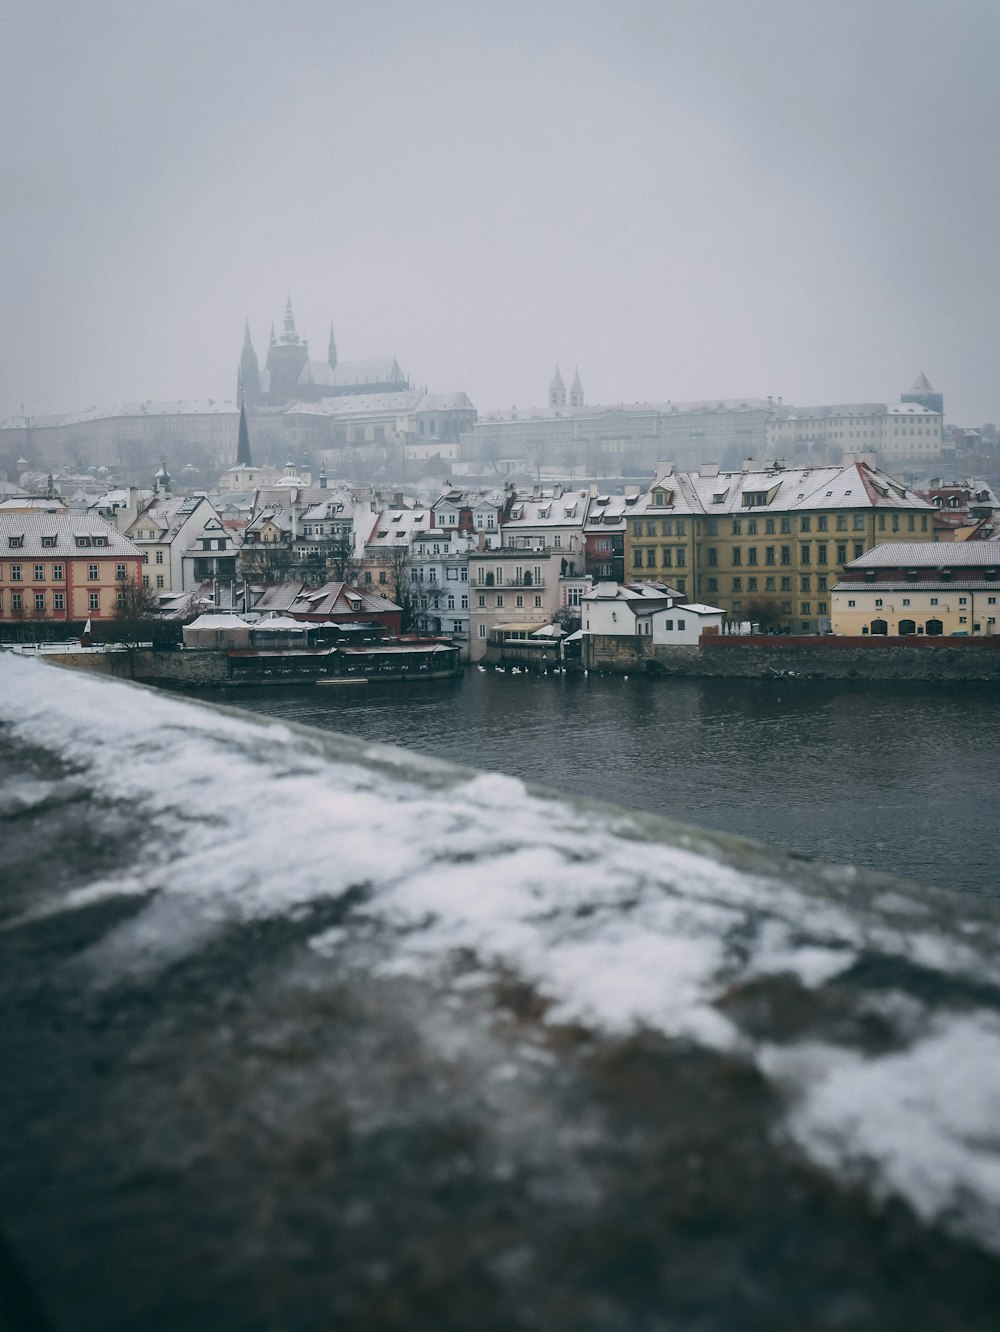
248,378
332,357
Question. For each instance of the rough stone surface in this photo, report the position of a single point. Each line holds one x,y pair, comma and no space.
574,1069
823,661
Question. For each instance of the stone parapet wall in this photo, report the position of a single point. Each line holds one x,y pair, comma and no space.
306,1032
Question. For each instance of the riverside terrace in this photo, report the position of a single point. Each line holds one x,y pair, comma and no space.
306,1033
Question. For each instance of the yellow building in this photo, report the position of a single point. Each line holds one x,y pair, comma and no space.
768,544
903,589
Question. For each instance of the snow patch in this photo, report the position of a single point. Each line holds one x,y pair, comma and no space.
923,1123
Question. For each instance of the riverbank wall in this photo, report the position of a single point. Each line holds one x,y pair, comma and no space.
765,657
205,668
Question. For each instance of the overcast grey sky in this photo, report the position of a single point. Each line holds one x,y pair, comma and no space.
686,199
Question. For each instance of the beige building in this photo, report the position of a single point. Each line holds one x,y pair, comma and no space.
911,588
513,590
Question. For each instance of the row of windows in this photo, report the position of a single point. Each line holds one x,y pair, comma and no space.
667,526
434,604
451,573
521,575
56,573
783,554
39,601
962,601
499,603
670,557
752,526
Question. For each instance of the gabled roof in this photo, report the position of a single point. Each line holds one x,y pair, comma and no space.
339,598
787,489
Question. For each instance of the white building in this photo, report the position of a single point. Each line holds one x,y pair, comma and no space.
905,430
439,575
184,543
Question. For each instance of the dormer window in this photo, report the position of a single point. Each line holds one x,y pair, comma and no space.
15,542
49,540
82,539
100,540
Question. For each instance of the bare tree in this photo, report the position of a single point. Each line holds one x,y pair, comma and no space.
266,562
766,612
343,565
134,613
399,584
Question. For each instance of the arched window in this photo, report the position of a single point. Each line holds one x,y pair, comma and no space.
934,627
880,627
907,627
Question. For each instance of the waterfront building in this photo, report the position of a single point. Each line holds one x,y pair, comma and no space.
335,602
767,543
614,609
184,543
906,588
623,622
514,589
57,566
439,575
539,567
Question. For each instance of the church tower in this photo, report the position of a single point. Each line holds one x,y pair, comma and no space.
924,396
286,359
557,390
576,391
332,355
243,443
248,377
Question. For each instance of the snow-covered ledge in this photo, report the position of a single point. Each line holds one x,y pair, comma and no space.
305,1032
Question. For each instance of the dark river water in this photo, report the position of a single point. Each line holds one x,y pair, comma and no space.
902,777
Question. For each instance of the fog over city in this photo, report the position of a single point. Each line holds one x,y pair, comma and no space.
685,200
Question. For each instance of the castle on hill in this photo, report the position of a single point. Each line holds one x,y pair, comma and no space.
291,375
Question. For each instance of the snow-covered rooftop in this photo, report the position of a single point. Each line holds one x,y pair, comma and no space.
55,536
928,555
